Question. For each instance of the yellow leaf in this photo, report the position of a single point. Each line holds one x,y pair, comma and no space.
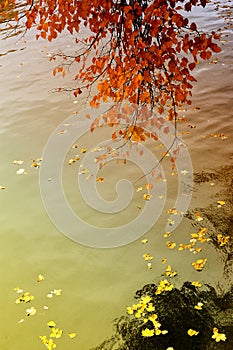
170,245
198,306
72,335
139,189
221,202
147,257
31,311
51,324
148,332
144,241
99,179
40,278
147,196
192,332
199,264
196,284
218,336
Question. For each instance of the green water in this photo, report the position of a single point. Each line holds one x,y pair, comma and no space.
96,284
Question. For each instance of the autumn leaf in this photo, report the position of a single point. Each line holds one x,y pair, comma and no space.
199,264
191,332
99,179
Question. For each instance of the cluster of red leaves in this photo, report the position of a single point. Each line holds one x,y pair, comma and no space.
141,51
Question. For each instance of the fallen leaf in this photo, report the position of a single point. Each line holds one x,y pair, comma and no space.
40,278
139,189
192,332
147,257
20,171
51,324
170,245
99,179
199,264
147,196
62,132
31,311
19,162
72,335
196,284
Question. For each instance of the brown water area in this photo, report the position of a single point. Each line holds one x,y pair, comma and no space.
84,289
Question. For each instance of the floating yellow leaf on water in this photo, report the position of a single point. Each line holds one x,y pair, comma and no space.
169,272
164,260
196,284
24,298
222,240
198,306
218,336
139,189
147,196
75,146
167,234
99,179
51,324
40,278
72,335
2,187
62,132
130,310
148,332
220,203
138,206
19,162
84,171
18,290
31,311
73,160
144,241
170,245
173,211
56,292
171,222
192,332
56,333
21,171
199,264
150,308
221,136
83,150
149,266
49,343
147,257
145,299
164,286
21,320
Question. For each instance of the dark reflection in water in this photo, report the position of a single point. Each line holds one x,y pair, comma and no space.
177,310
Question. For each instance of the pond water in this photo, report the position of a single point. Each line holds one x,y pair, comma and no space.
96,284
